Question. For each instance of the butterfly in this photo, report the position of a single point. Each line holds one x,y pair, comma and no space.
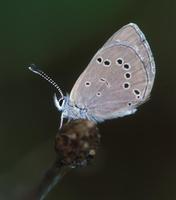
117,80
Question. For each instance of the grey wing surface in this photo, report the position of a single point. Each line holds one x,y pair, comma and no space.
104,87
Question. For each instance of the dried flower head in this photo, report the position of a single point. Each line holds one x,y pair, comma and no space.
76,143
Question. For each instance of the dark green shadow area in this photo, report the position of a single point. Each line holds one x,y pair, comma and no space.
137,158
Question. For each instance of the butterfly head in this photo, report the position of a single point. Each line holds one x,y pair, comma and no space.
60,103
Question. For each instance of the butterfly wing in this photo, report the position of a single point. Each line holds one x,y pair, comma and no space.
133,36
117,79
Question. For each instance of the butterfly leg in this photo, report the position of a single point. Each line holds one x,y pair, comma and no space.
61,121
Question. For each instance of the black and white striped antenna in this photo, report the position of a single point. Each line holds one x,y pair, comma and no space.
35,69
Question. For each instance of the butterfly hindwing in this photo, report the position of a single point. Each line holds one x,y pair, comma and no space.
133,36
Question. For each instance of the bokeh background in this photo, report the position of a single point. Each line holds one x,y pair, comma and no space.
137,157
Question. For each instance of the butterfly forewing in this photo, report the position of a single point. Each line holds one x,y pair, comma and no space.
118,77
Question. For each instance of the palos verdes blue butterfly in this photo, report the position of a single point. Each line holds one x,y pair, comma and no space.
117,80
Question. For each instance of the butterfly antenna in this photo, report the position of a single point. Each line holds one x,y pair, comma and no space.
35,69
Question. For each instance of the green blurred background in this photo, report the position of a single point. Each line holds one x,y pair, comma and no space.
137,157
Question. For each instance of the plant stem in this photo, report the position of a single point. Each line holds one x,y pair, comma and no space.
51,178
53,175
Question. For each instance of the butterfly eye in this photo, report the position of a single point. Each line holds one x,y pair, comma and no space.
61,102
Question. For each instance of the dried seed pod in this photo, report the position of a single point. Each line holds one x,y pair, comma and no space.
76,143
